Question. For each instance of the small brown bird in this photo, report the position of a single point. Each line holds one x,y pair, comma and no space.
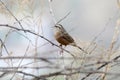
63,37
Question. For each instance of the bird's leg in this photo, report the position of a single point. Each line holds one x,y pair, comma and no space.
61,51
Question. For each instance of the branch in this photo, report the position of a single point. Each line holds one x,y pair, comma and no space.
28,31
12,14
3,45
102,66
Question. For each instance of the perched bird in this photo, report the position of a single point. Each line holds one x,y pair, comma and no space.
63,37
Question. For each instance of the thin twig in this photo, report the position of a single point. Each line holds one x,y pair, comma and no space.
100,67
25,30
21,61
63,18
2,44
51,11
11,14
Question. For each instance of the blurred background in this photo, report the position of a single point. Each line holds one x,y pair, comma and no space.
89,21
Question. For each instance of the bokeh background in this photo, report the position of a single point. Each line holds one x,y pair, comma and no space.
88,19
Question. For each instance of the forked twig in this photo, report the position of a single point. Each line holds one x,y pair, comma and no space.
11,14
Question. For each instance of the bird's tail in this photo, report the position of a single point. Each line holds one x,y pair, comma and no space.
75,45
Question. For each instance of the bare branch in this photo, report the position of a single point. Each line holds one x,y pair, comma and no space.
63,18
25,30
12,14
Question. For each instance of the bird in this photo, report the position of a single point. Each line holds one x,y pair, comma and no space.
62,37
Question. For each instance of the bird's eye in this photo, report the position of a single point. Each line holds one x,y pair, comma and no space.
57,27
